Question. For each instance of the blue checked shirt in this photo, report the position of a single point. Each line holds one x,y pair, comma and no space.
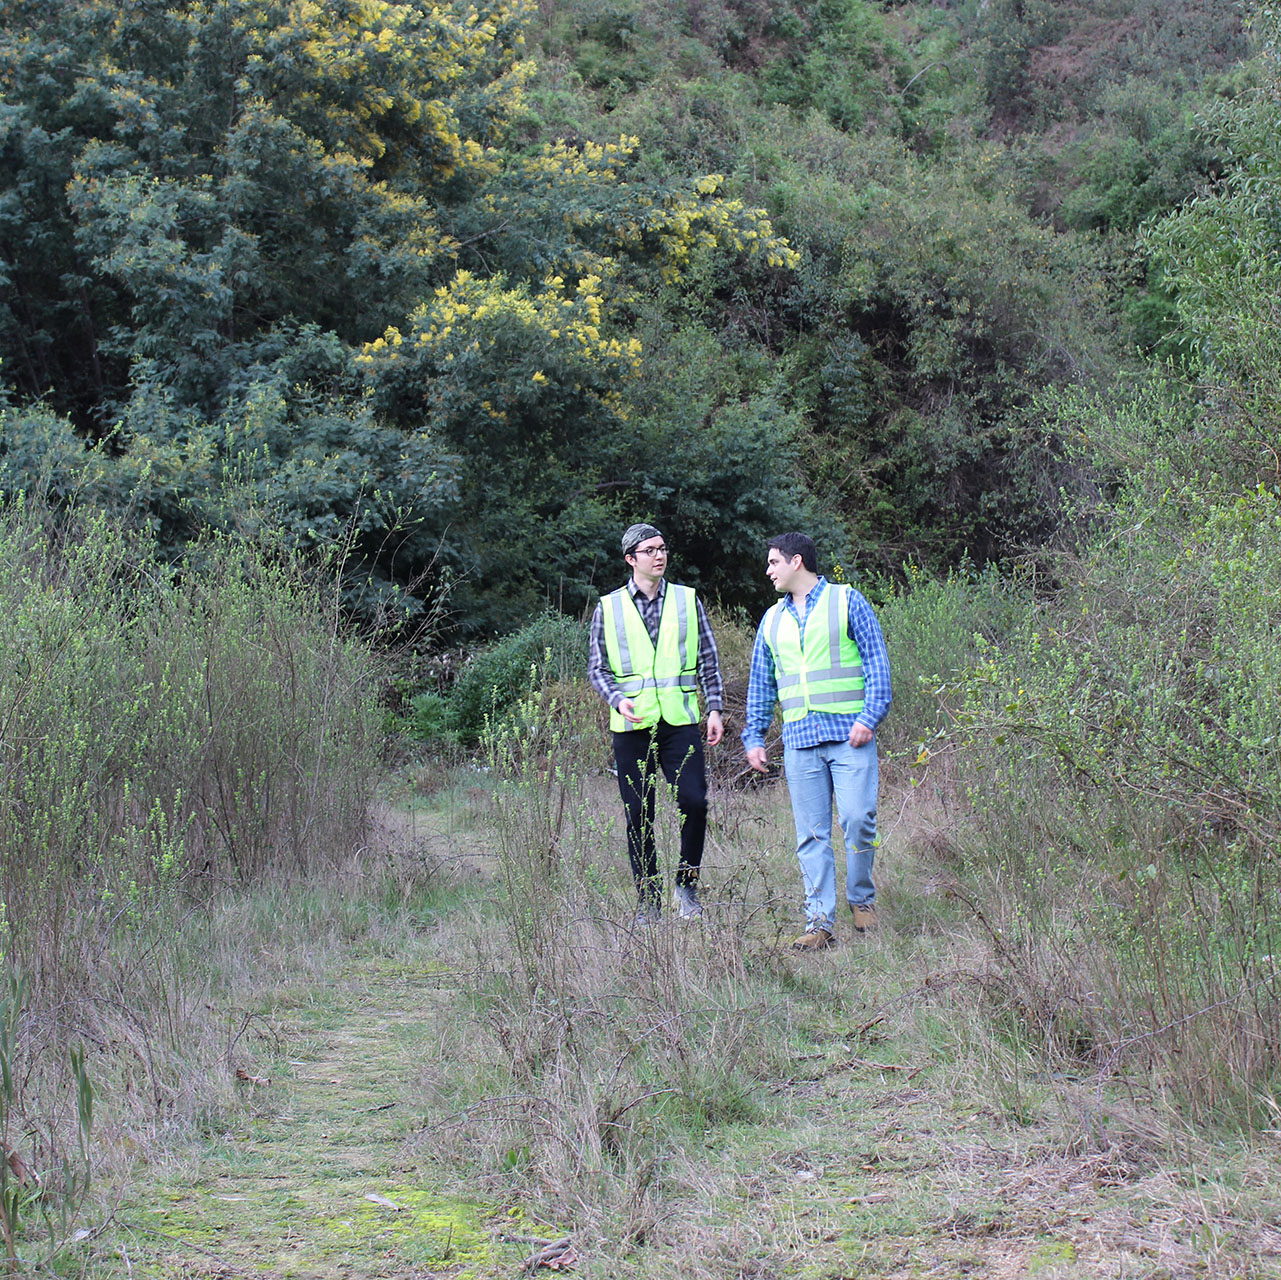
816,727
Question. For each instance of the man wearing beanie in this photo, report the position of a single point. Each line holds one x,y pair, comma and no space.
651,648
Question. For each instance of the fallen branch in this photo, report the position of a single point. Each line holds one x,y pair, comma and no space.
883,1066
556,1255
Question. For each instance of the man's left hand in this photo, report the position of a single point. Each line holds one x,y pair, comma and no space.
715,728
860,735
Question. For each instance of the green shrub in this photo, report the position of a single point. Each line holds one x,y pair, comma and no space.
935,318
1124,776
846,64
934,628
1142,158
551,649
430,718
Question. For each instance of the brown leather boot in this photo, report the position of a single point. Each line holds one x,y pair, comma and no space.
864,917
817,937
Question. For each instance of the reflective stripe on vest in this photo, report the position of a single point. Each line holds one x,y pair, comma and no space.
824,674
662,679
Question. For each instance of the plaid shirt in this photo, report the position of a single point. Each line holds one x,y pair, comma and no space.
816,727
709,662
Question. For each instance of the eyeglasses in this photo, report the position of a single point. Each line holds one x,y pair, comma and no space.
651,551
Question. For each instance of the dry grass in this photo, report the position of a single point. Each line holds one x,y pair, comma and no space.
474,1032
883,1100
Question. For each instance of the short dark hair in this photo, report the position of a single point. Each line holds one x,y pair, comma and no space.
797,544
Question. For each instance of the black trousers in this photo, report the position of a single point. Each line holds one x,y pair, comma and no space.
675,750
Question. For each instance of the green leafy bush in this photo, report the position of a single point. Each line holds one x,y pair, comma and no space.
843,62
1221,259
1142,158
319,477
934,631
550,650
313,248
1124,773
932,324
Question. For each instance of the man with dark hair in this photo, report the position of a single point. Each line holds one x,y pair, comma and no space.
819,652
651,646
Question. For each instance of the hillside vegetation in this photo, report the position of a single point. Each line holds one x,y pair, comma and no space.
448,281
331,336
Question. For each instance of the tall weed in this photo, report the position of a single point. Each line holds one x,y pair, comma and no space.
166,734
933,630
1125,783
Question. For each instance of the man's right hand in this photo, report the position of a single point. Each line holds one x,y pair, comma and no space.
758,759
627,709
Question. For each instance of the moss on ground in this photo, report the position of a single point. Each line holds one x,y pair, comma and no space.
308,1176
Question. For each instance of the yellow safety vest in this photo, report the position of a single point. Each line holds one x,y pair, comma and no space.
826,674
661,679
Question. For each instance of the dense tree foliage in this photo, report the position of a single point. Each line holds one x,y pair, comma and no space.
460,288
965,208
1222,255
217,221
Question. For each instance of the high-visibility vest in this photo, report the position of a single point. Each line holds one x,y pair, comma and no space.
826,674
661,679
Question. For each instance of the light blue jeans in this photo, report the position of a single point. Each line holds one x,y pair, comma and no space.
814,776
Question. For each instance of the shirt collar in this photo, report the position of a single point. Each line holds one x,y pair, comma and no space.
637,594
814,592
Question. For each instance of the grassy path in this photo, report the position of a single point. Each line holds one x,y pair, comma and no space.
869,1168
312,1175
887,1136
